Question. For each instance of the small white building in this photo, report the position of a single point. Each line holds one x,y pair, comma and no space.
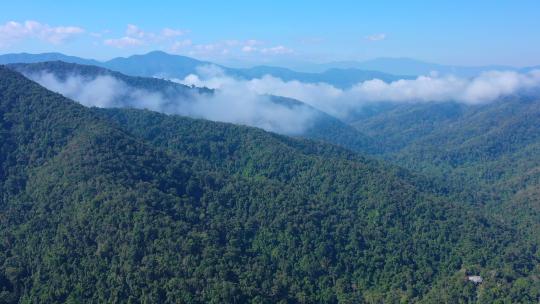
475,279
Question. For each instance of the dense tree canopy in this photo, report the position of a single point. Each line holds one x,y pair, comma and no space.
119,205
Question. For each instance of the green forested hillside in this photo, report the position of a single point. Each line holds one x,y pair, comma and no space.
399,125
492,149
63,70
320,126
493,144
134,206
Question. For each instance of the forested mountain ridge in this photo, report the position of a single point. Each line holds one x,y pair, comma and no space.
63,70
321,126
492,149
97,209
494,144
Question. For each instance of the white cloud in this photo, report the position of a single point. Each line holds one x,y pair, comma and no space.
239,48
13,31
207,49
277,50
123,42
178,46
135,36
168,32
484,88
376,37
253,42
232,104
247,101
102,91
250,46
249,49
135,32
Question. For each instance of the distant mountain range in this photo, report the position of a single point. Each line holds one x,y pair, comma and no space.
33,58
161,64
408,66
341,74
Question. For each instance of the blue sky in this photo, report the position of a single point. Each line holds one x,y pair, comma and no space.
449,32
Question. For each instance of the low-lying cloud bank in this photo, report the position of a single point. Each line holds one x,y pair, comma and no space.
484,88
233,105
247,101
103,91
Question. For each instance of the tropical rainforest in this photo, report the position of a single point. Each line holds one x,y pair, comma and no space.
106,205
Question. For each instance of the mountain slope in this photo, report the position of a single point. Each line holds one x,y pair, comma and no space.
134,206
156,64
173,97
64,70
491,143
400,125
491,149
497,144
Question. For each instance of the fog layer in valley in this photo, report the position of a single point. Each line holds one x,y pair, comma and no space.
231,104
487,87
247,101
